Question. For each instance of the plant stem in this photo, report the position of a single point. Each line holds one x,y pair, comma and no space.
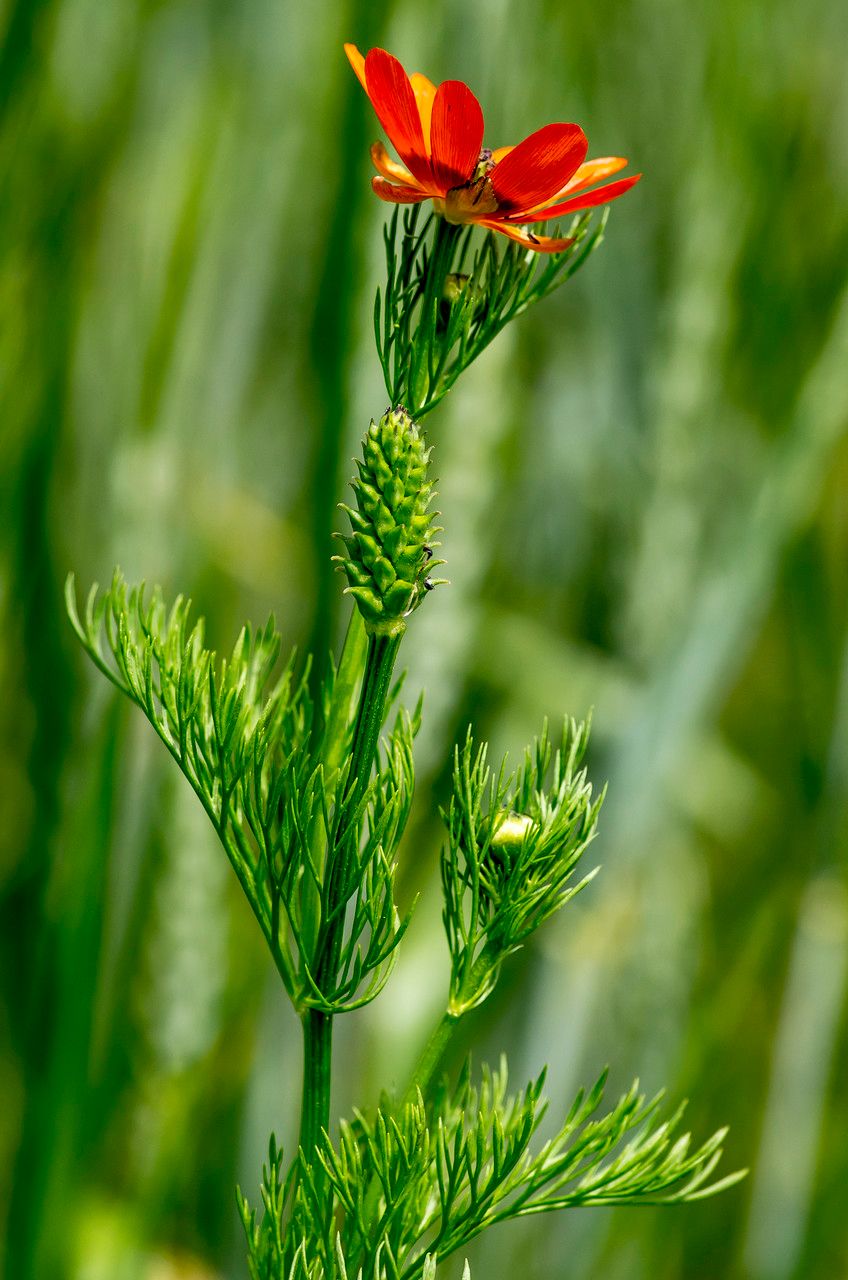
334,735
431,1056
317,1024
317,1063
434,1050
351,665
420,380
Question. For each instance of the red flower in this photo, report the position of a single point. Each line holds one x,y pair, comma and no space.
438,134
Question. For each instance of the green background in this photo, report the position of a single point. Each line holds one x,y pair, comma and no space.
643,484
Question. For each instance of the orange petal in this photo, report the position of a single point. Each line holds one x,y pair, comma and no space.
538,244
392,98
539,167
456,135
425,92
593,171
499,153
397,195
357,61
601,195
390,168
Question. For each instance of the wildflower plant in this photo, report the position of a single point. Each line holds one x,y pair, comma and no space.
309,785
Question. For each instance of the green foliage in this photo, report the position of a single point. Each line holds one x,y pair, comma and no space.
513,845
443,302
684,520
311,834
311,808
409,1187
272,1255
248,739
389,552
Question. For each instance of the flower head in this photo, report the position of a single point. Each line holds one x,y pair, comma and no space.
438,134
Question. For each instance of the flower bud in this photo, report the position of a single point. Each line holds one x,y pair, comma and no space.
454,287
510,832
388,554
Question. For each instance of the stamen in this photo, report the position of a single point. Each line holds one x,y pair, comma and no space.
485,164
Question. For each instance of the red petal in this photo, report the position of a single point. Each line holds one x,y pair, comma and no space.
393,99
456,134
601,195
538,167
397,195
538,244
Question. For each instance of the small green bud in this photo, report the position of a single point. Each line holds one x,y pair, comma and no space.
459,291
510,833
454,286
388,554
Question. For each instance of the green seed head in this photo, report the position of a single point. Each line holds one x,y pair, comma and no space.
389,552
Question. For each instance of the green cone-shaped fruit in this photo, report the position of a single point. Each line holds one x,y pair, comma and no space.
389,552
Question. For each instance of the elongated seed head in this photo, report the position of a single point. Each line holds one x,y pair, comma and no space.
388,556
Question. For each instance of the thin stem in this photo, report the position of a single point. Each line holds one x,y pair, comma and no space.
348,675
431,1057
349,670
379,665
420,380
441,1036
318,1025
317,1065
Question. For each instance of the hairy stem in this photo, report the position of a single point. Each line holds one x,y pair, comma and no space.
317,1024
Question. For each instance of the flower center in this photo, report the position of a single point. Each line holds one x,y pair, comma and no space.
485,165
475,198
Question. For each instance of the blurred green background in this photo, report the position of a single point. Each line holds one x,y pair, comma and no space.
643,484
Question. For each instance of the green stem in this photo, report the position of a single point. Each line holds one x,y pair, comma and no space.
442,1034
318,1025
317,1064
334,739
420,382
432,1055
348,674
